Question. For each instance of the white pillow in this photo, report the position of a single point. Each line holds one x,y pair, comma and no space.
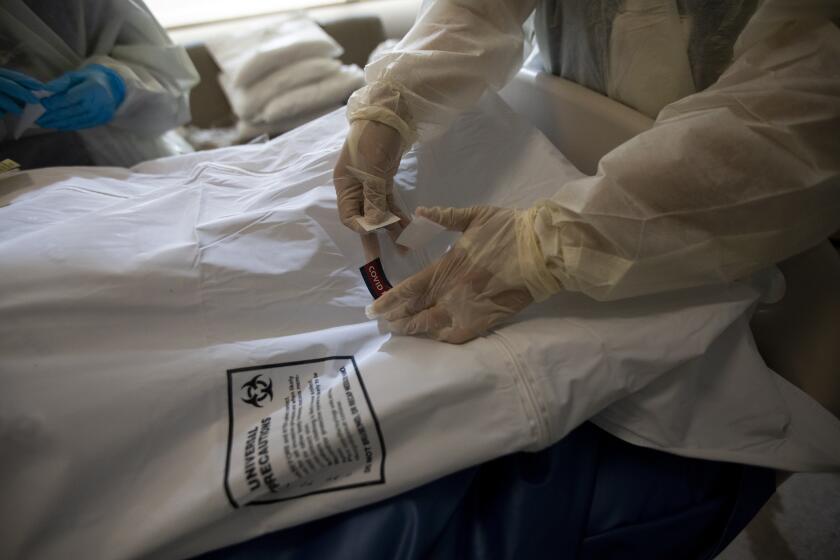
249,55
247,130
247,102
330,91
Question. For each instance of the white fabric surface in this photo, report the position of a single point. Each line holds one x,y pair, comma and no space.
250,55
249,101
128,296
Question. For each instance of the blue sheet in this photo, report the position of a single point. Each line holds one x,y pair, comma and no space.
589,496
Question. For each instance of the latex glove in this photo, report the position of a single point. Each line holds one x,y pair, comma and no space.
82,99
472,288
364,176
16,91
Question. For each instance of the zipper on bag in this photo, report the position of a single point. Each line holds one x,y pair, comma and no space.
535,408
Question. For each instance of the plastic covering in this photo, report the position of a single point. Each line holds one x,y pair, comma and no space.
186,363
730,179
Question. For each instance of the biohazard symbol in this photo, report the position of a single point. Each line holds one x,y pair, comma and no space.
257,390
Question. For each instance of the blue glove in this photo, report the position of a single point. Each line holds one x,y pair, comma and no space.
16,90
82,99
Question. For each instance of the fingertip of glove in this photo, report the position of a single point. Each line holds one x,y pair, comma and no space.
370,313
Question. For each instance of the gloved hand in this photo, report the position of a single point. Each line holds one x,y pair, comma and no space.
82,99
16,90
472,288
364,176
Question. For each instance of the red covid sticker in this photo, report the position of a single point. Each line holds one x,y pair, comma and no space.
374,278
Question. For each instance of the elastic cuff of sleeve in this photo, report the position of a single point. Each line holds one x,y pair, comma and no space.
119,75
383,102
115,81
388,118
538,279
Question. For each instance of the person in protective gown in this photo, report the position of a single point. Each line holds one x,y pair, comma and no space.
740,170
109,77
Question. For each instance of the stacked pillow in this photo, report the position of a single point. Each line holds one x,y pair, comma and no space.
281,76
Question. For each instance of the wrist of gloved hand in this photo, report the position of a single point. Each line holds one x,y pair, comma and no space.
83,98
385,103
115,81
541,283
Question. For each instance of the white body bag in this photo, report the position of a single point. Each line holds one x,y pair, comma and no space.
185,362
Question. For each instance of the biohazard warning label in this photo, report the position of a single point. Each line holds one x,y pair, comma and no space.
300,428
